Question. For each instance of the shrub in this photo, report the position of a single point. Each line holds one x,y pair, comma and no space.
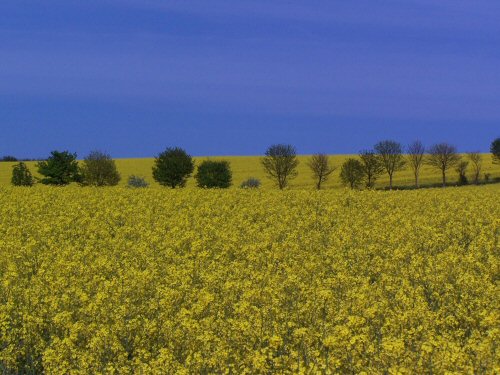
137,182
21,175
214,174
99,170
352,173
61,168
251,183
172,167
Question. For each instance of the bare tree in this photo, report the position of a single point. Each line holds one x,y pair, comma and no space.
372,167
416,152
321,168
443,156
391,155
280,163
476,160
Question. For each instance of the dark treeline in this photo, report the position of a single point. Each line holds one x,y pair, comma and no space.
174,166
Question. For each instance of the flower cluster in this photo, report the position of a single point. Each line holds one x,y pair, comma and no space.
125,281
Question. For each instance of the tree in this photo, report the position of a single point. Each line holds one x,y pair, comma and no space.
462,172
416,153
476,159
280,163
8,158
352,173
372,167
99,170
173,167
214,174
61,168
391,155
21,175
495,151
443,156
321,168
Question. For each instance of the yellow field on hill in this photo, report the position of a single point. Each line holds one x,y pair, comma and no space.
192,281
244,167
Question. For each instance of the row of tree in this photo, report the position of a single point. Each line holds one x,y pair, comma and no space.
386,156
174,166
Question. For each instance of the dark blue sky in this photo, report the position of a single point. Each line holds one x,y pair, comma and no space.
224,77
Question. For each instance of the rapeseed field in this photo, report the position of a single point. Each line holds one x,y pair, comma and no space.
123,281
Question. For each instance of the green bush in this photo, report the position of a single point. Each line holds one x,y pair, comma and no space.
173,167
214,174
61,168
21,175
99,170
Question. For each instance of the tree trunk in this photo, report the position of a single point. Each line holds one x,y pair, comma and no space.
390,182
444,178
417,185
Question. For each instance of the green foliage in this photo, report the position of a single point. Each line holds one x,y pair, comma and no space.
214,174
8,158
136,182
372,167
172,167
251,183
61,168
462,172
495,150
21,175
280,163
99,170
352,173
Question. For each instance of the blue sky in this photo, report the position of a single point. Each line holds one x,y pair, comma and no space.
225,77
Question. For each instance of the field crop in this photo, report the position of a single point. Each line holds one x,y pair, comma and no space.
244,167
116,280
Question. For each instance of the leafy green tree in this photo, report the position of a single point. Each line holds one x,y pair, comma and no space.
372,167
21,175
280,163
99,169
173,167
391,155
352,173
61,168
495,150
214,174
